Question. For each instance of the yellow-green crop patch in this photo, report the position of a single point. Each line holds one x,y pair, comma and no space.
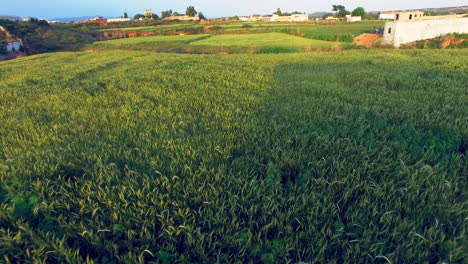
263,40
145,41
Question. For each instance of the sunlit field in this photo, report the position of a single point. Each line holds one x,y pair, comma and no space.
141,157
263,40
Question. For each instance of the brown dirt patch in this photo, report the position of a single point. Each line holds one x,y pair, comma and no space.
449,41
367,40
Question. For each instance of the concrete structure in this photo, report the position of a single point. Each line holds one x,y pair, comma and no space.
350,19
408,15
255,18
299,17
244,19
183,18
387,15
98,19
14,46
111,20
10,18
331,18
148,12
291,18
276,18
405,31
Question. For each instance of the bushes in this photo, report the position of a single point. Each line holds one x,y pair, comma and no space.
40,37
276,49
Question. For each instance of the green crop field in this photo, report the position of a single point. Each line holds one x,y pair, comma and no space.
341,31
263,40
121,156
230,43
151,28
144,41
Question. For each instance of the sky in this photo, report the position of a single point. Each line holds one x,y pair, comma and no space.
210,8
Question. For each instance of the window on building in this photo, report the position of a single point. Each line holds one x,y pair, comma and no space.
389,30
397,16
410,16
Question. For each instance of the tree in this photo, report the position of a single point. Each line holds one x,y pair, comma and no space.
340,11
360,12
167,13
138,16
191,11
201,16
296,13
176,14
125,15
278,12
154,16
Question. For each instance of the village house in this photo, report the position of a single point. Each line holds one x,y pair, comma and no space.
408,15
387,15
98,19
148,13
111,20
414,26
255,18
182,18
350,19
299,17
12,44
277,18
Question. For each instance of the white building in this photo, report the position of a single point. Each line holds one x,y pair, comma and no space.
350,19
14,46
291,18
299,17
387,15
244,19
406,29
183,18
111,20
148,12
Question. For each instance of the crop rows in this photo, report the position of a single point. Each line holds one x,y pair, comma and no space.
140,157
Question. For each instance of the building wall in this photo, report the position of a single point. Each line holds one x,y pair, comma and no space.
182,18
110,20
407,16
401,32
299,18
387,16
14,46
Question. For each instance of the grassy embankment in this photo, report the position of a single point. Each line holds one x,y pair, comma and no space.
131,156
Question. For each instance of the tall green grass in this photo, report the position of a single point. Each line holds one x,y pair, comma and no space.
141,157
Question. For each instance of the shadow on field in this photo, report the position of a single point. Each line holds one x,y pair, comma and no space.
357,151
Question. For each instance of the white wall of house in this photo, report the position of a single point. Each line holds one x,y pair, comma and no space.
390,16
299,17
110,20
401,32
14,46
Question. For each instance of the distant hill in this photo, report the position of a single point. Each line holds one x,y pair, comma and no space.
11,18
75,19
